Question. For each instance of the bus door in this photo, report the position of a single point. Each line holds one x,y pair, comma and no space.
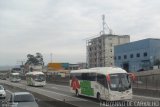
101,79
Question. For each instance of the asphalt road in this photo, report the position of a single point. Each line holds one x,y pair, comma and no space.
42,101
62,93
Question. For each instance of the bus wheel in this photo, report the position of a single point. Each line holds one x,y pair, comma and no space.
98,96
77,93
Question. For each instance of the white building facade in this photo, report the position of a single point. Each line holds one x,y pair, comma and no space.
100,50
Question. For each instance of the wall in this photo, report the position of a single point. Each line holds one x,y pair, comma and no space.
147,83
143,62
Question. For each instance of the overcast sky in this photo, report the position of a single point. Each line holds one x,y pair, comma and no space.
61,27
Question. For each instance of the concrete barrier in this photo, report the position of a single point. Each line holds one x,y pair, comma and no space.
146,92
147,83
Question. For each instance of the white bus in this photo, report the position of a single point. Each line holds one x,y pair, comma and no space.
106,83
36,78
14,77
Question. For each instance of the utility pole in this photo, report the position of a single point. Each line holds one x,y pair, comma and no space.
21,61
51,57
103,24
21,65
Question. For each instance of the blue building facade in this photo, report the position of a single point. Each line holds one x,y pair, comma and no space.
138,55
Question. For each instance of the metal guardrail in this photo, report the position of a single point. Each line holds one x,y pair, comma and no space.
52,78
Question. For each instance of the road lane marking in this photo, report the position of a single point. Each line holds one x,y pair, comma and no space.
61,94
31,89
58,88
59,85
61,99
54,88
79,99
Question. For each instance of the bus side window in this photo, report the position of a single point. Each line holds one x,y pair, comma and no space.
85,76
102,80
92,76
77,75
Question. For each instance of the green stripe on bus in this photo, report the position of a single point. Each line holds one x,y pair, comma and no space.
86,88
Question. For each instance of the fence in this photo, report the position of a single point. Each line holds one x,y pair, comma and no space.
151,80
57,78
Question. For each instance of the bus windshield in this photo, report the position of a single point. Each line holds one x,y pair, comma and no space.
39,78
119,82
15,76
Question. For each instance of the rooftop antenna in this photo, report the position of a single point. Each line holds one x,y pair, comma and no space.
104,25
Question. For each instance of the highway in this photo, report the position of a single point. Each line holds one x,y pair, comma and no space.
42,101
55,93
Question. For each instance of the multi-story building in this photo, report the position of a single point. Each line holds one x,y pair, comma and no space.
82,65
139,55
100,50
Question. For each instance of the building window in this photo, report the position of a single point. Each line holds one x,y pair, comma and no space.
125,56
90,49
131,55
110,50
119,57
115,58
145,54
138,54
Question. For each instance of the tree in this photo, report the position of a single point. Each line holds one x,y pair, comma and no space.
39,57
35,60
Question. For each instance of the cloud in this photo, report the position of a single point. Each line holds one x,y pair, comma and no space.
61,26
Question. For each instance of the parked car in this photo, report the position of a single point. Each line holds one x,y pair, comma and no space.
2,92
22,99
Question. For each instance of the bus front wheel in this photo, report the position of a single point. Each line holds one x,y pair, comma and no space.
77,93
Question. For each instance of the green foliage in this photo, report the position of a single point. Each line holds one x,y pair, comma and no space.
35,60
